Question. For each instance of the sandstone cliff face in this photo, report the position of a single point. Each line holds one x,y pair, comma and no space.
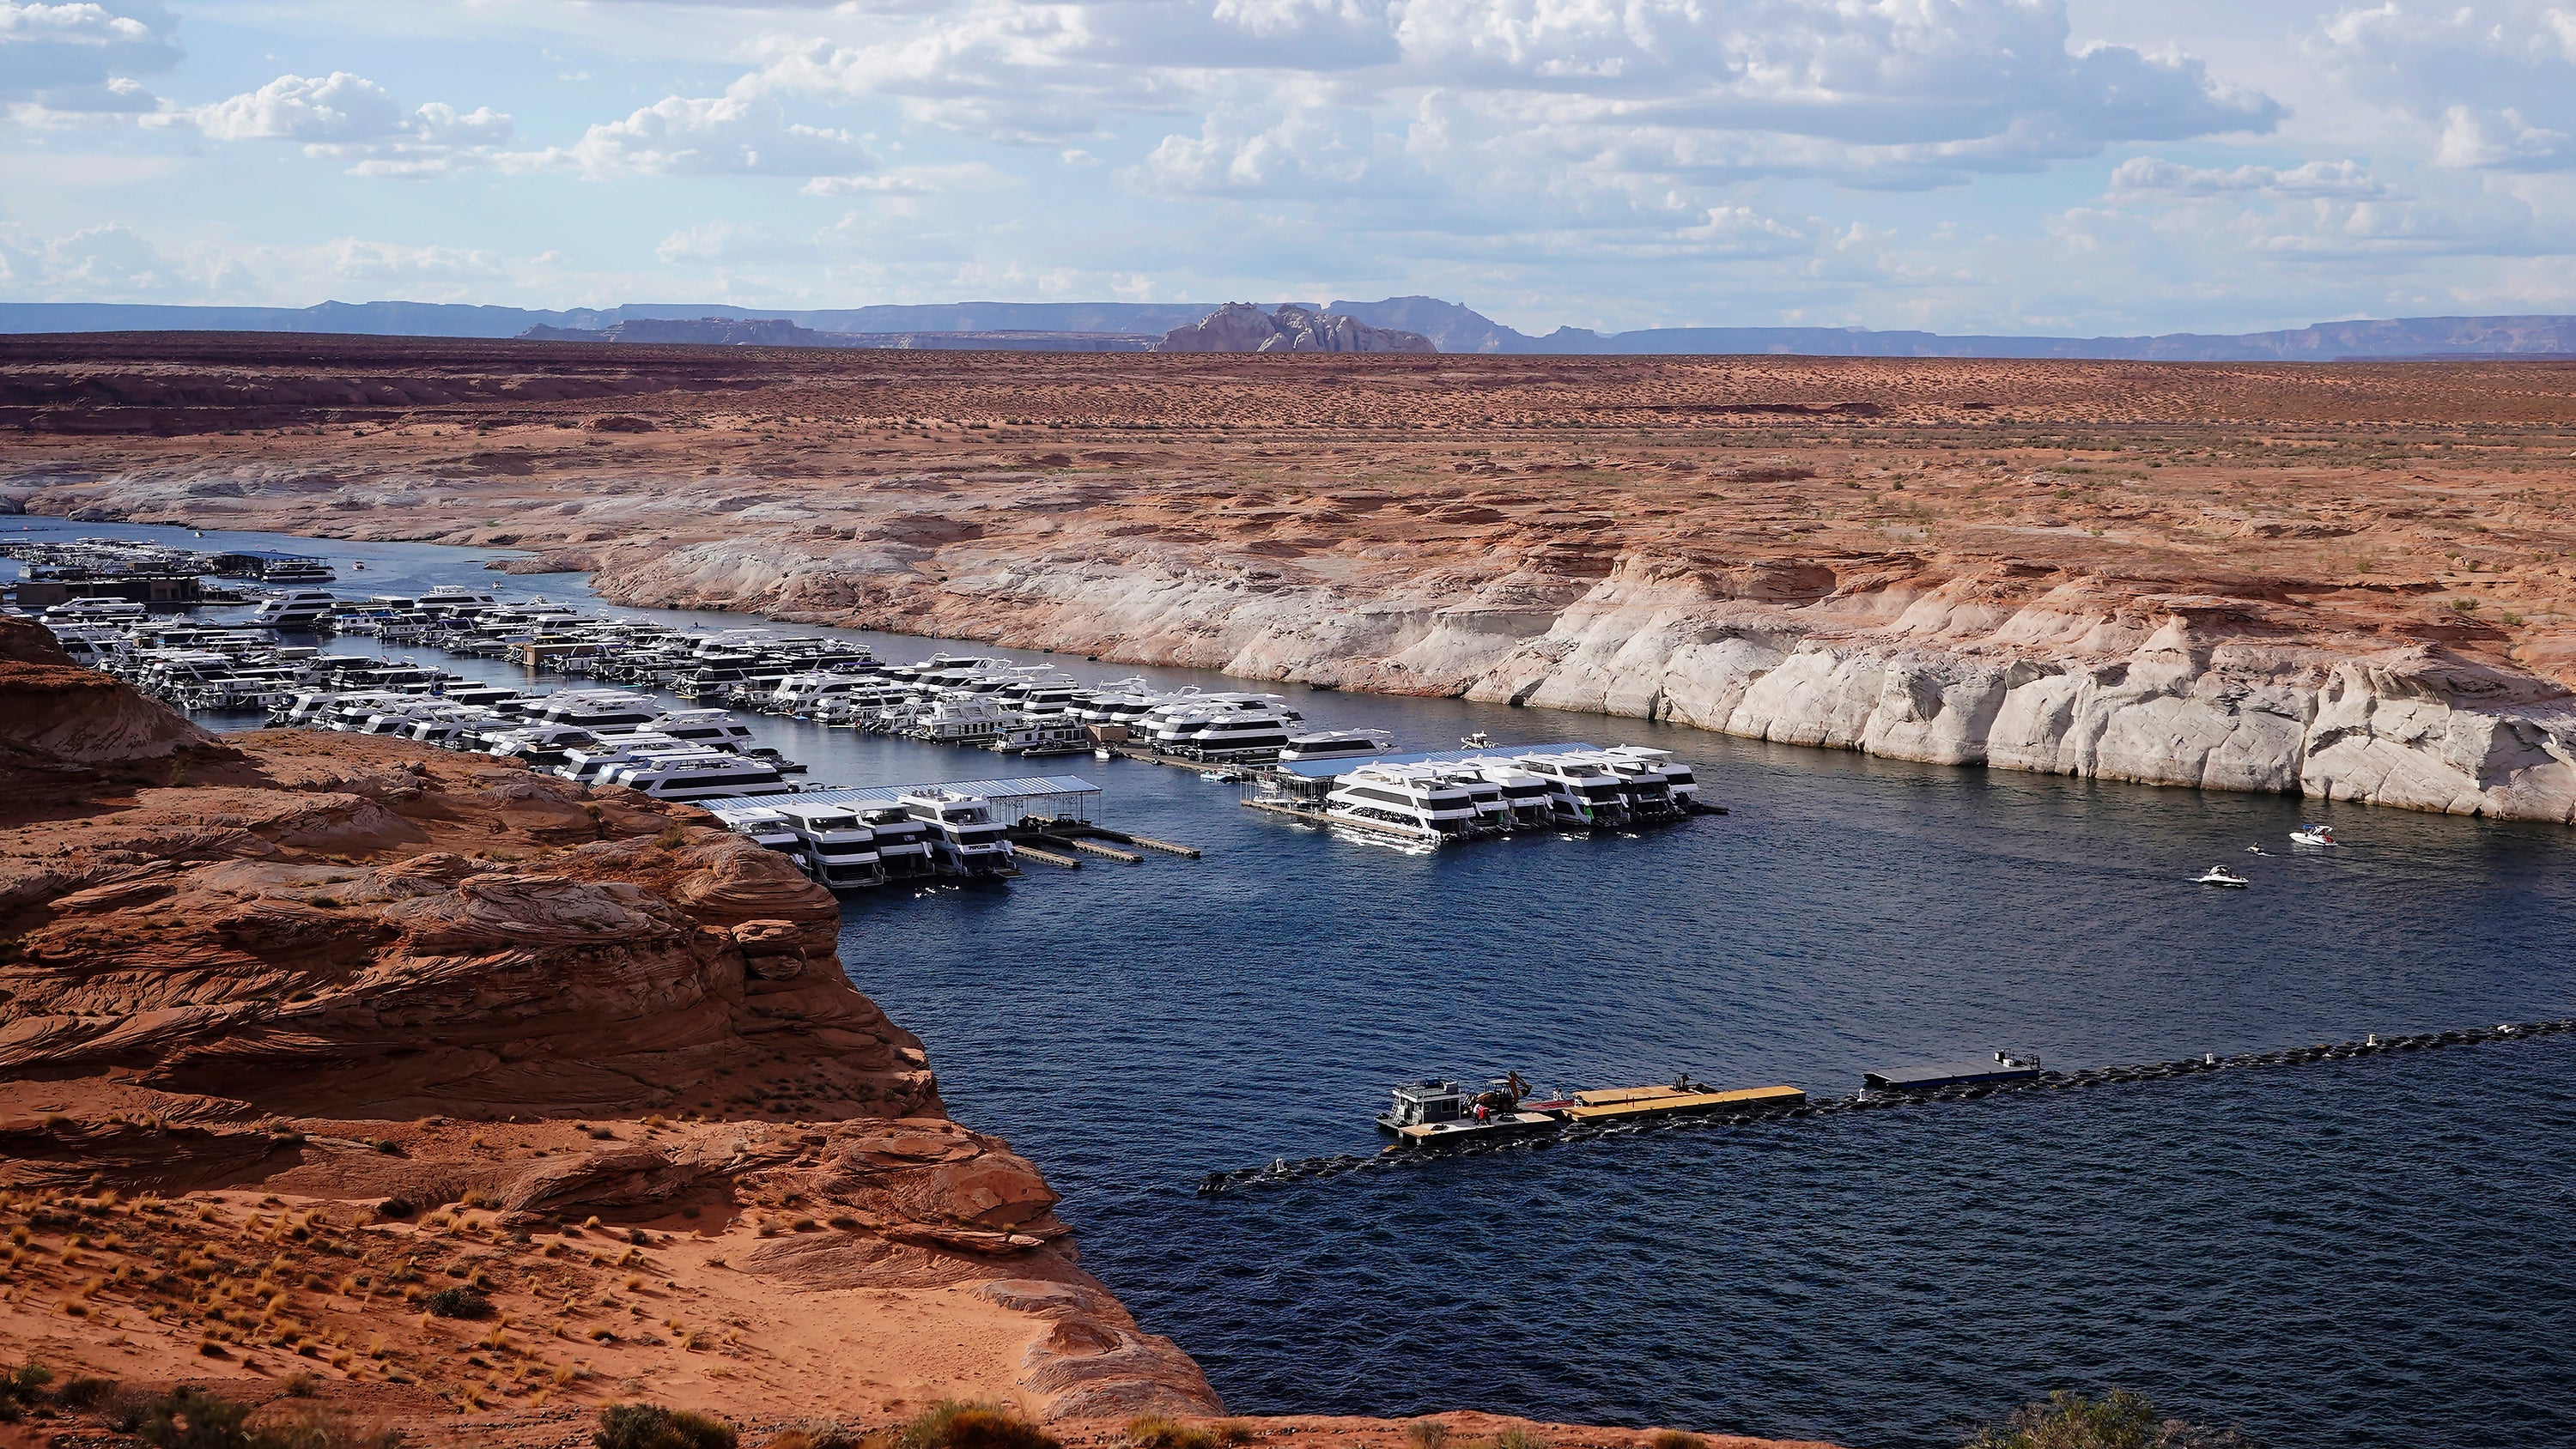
1243,327
343,970
2156,689
2061,675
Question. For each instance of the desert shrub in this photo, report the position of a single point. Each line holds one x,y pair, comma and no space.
1427,1434
84,1393
2117,1420
1234,1432
21,1389
458,1303
126,1406
1660,1439
953,1425
1517,1437
193,1419
394,1207
650,1426
26,1383
814,1434
315,1427
1153,1431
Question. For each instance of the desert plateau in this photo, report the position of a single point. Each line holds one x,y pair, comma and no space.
2349,581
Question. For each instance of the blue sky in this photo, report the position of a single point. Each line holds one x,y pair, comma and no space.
1960,165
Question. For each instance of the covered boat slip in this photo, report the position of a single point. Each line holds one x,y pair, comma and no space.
1055,797
1629,1103
1310,779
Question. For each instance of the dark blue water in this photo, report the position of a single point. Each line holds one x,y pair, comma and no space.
2359,1253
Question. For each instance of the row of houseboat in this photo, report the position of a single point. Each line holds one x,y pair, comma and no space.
590,736
847,845
1003,704
1603,789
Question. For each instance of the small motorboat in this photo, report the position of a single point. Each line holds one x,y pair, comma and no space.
2220,875
1100,754
2256,850
2314,835
1478,741
1218,777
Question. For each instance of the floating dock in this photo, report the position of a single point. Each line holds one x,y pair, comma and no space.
1627,1104
2001,1067
1287,1171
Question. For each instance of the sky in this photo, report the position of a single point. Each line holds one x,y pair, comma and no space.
1999,166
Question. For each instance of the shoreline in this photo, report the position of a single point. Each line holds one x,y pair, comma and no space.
2176,690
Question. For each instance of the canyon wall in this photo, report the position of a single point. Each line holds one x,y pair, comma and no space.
2018,669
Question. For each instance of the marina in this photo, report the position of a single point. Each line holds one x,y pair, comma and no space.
1852,914
647,706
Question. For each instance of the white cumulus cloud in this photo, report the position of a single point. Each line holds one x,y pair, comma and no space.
350,117
82,57
2493,83
2314,178
744,132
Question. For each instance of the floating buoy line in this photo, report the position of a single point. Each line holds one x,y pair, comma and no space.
1287,1171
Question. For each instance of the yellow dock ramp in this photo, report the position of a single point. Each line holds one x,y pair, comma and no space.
1619,1103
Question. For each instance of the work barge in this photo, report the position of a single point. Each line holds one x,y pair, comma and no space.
1783,1112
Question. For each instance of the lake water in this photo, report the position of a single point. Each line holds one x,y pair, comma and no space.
2362,1253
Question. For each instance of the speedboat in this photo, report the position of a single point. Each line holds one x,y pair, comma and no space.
2314,835
2220,875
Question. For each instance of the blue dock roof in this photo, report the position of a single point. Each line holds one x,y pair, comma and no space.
1014,796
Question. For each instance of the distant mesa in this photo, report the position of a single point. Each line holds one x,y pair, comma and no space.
1150,326
784,332
1243,327
700,331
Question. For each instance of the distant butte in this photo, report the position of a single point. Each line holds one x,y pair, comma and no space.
2344,580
